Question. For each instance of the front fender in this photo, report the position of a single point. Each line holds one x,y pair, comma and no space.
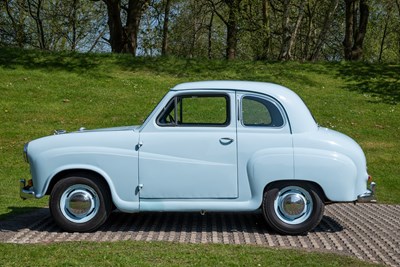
119,167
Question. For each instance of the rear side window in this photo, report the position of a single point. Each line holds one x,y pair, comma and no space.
258,111
196,110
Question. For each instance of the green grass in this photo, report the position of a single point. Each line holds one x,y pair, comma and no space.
40,92
163,254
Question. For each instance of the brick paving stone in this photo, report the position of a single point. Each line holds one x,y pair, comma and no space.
370,232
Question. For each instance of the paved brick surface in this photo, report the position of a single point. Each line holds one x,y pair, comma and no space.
370,232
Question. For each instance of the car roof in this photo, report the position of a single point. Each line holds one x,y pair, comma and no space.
259,87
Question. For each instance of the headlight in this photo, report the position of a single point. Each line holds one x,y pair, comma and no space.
26,152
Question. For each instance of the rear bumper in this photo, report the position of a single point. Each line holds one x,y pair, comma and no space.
26,191
369,195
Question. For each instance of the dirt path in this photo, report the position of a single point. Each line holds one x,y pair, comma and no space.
369,232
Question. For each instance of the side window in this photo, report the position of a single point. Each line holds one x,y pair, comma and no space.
195,110
260,112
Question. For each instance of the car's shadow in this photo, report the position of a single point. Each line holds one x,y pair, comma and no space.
166,222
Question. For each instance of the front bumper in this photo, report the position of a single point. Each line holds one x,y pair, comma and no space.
369,195
26,191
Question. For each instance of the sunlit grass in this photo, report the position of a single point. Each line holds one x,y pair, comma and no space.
131,253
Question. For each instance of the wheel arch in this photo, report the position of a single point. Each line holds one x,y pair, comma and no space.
317,188
78,172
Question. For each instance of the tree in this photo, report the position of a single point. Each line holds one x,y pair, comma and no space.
210,31
52,25
35,11
398,32
322,35
135,12
231,23
195,30
16,31
356,21
266,31
244,29
288,35
164,46
124,39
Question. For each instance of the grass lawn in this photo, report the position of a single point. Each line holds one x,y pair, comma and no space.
40,92
163,254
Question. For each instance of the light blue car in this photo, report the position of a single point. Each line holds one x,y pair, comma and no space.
207,146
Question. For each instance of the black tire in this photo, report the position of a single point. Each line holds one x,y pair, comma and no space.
80,203
292,218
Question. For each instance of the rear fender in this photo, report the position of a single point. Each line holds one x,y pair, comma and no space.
334,172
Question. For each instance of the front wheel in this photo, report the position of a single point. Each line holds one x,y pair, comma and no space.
80,203
292,208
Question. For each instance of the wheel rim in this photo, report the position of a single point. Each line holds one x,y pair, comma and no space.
293,205
79,203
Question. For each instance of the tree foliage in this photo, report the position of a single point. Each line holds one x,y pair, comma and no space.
233,29
52,25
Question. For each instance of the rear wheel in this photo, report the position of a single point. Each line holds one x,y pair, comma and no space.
292,208
80,203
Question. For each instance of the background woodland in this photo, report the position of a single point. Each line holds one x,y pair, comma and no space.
273,30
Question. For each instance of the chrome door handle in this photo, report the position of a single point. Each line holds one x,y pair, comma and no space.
226,140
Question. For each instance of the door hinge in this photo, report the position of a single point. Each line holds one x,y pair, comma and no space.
138,188
139,145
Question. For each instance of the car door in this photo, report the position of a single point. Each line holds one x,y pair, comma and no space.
265,150
188,150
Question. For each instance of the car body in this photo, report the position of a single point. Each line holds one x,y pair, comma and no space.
207,146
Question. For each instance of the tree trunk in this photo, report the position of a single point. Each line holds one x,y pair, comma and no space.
293,35
124,39
398,33
193,33
36,16
357,50
135,11
355,34
266,31
231,25
74,24
283,55
348,36
288,36
164,47
231,37
310,29
210,25
383,39
327,23
115,25
231,29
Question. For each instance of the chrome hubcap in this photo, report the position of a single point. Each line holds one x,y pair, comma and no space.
79,203
293,205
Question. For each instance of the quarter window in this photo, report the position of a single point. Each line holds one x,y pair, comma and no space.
260,112
194,110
